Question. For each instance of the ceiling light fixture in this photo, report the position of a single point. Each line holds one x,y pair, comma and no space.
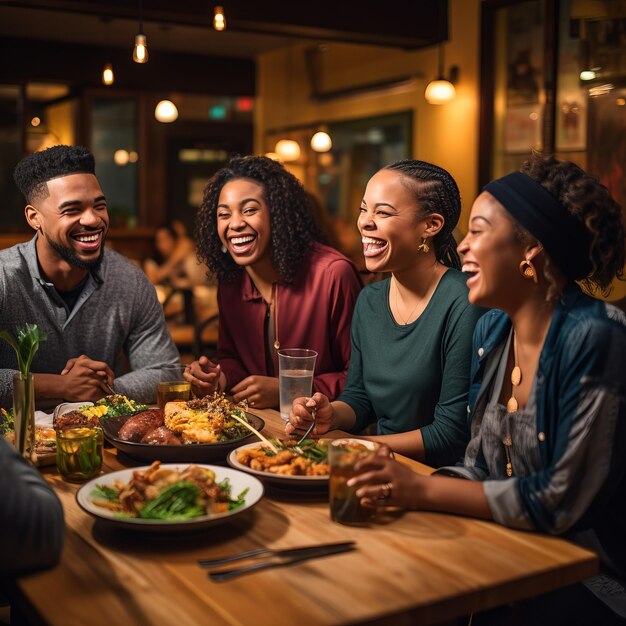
288,150
321,141
219,19
140,52
590,74
442,90
166,112
107,75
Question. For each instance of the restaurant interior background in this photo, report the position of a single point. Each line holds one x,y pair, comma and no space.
542,74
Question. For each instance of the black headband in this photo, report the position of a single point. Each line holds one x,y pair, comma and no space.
564,236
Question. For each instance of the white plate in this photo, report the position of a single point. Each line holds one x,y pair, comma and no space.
238,482
300,481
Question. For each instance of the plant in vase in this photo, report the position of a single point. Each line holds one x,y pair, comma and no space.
26,345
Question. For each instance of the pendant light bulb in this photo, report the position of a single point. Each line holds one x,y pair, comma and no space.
140,53
107,75
219,19
288,150
321,142
166,112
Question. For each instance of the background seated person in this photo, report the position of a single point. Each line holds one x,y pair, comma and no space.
548,383
31,517
178,265
278,286
95,307
412,332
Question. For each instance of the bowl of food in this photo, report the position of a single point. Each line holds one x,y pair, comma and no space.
199,430
283,462
169,497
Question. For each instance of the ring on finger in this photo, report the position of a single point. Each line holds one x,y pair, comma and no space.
385,491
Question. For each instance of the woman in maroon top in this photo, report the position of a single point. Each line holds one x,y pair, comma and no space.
279,286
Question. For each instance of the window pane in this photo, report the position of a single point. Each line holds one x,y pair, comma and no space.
114,145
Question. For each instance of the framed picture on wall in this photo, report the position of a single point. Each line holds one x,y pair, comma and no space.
522,129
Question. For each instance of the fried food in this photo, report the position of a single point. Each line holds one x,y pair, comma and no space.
308,459
206,420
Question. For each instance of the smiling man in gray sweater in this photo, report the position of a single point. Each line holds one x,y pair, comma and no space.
104,324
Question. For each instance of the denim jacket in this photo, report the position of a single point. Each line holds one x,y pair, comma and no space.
581,426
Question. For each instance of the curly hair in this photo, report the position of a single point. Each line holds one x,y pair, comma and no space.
588,200
292,227
33,172
436,192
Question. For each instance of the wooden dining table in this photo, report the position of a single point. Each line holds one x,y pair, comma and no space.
408,568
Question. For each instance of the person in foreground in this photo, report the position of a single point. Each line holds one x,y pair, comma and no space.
548,385
411,333
95,307
278,285
31,517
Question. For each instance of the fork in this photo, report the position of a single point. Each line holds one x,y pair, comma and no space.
308,431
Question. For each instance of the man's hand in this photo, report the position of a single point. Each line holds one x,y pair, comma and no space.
261,392
83,378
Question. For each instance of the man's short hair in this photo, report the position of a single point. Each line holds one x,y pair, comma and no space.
33,172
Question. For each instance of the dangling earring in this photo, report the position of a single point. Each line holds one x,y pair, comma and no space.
224,249
423,247
527,270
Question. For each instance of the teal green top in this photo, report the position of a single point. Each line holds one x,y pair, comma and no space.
415,375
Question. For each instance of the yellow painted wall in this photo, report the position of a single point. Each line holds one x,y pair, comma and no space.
443,134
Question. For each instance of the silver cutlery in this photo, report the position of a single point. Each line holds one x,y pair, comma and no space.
268,558
308,431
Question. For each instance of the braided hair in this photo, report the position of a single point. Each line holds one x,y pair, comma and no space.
293,229
436,192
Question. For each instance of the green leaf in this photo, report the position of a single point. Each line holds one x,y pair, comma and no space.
27,344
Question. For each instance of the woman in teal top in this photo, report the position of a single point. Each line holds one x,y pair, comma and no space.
412,333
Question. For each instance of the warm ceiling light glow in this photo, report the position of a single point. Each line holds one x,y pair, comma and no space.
439,91
288,149
35,121
219,19
321,142
166,111
620,102
107,75
121,157
133,157
588,75
140,53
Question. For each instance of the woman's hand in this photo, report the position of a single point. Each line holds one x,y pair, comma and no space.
261,392
301,415
382,481
204,376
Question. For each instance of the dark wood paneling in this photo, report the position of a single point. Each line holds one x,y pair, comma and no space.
394,22
77,64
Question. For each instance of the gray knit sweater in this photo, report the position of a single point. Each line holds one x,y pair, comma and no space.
117,319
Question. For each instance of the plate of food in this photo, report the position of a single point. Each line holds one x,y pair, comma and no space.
169,497
198,430
44,452
284,462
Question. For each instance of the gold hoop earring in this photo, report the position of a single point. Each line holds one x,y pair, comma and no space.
423,247
527,270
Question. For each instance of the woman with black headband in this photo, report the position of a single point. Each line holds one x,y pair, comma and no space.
411,333
548,386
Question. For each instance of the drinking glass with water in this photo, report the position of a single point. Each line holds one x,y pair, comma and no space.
295,376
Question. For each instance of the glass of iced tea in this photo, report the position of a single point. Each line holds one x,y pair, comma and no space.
79,452
171,390
343,455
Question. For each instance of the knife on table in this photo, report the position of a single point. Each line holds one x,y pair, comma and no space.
282,558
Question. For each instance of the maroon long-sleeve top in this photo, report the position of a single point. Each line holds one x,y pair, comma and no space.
314,312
